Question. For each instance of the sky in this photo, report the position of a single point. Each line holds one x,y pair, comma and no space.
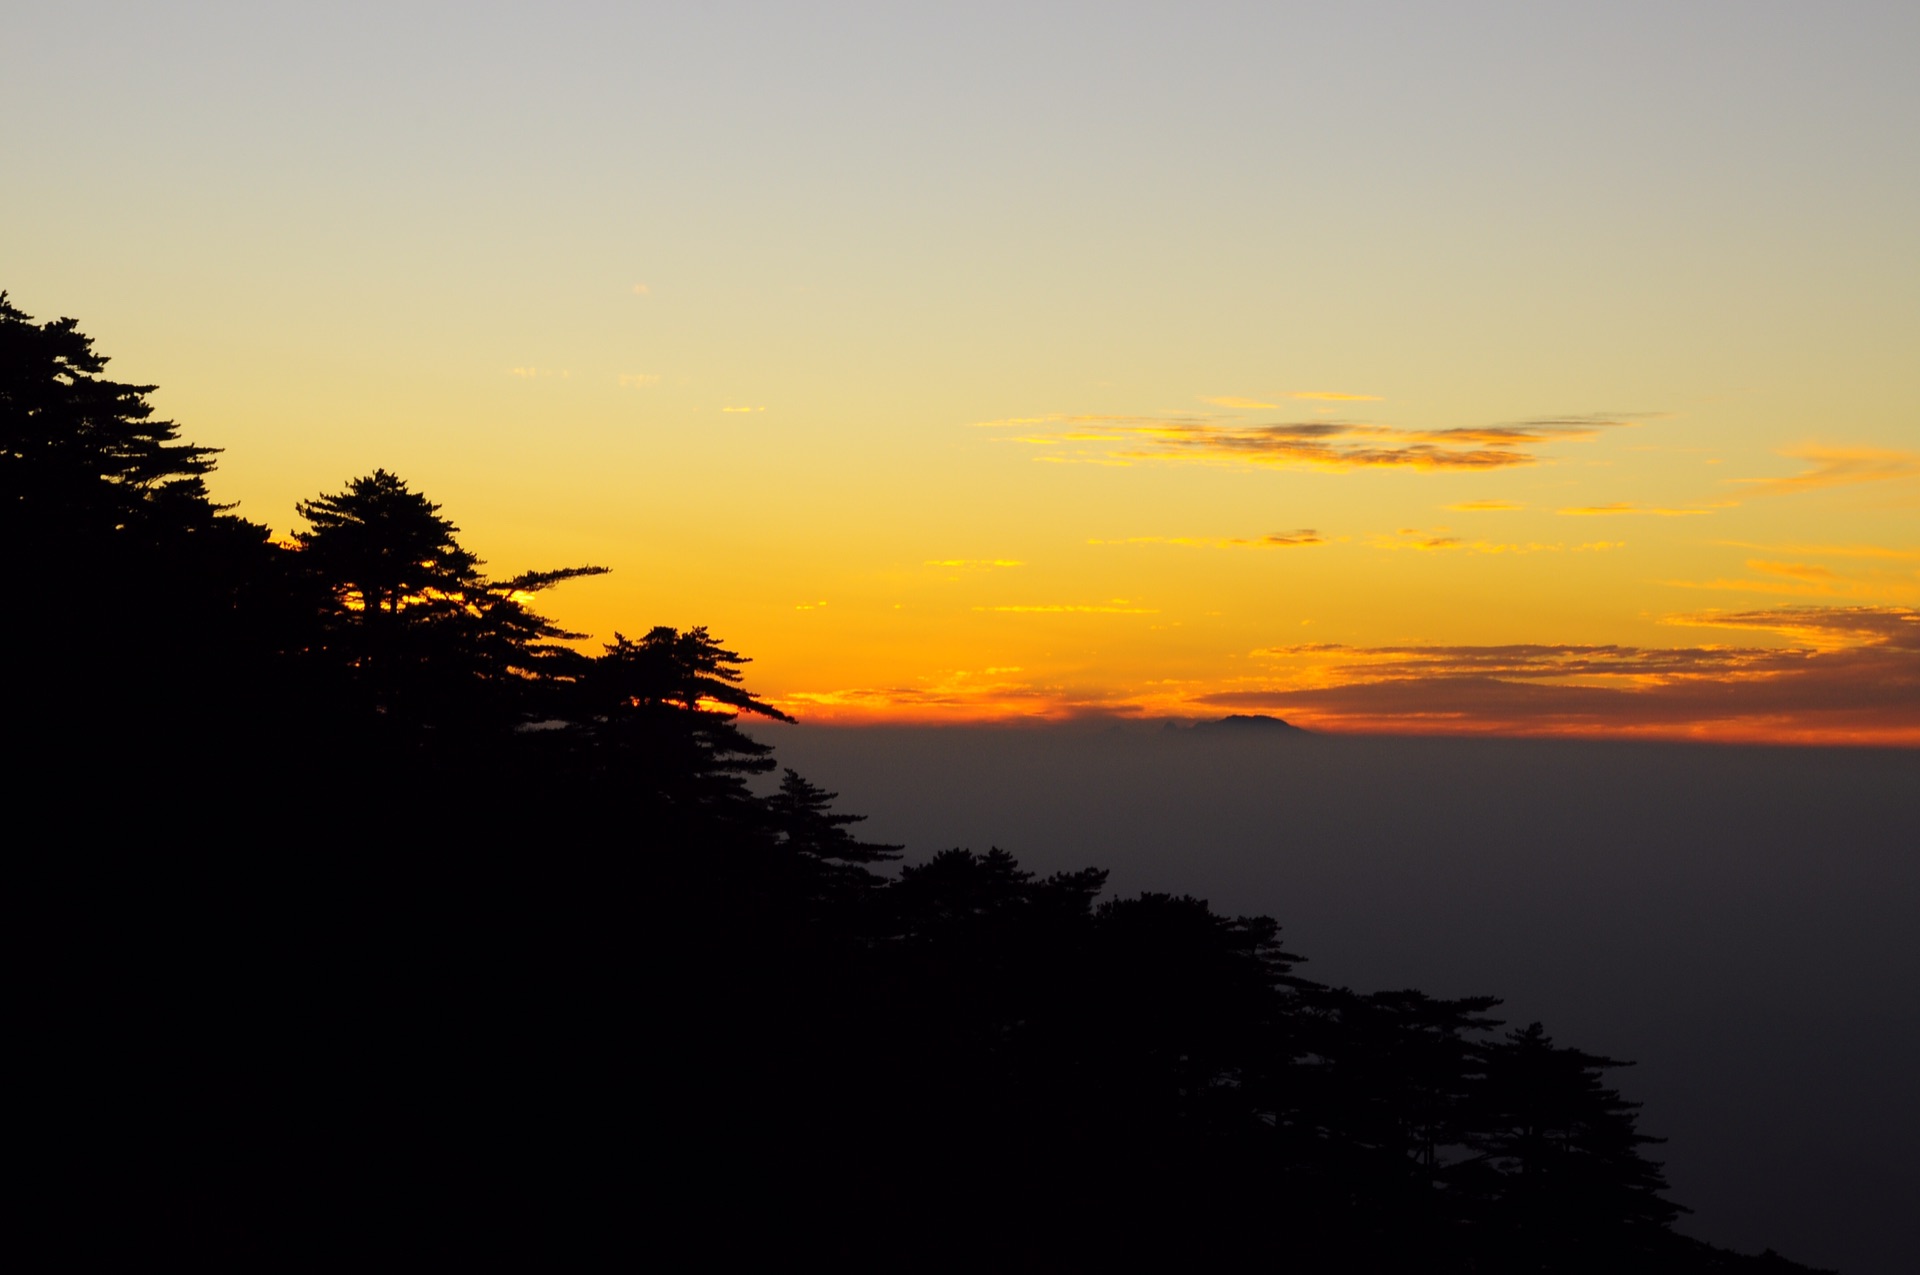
1492,368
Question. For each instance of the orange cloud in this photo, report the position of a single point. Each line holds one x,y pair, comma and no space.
1335,445
1352,445
1813,579
1821,627
1485,507
1837,467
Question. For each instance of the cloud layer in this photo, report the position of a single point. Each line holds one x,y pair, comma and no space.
1853,676
1850,675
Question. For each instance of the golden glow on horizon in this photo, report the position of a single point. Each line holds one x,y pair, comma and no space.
1067,398
1710,692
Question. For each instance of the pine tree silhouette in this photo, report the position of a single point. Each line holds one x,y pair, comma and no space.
83,457
428,636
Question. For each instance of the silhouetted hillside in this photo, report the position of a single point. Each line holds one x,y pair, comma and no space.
332,956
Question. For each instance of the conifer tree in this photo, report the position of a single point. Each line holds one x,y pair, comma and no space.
82,455
139,597
1576,1187
426,633
802,814
660,715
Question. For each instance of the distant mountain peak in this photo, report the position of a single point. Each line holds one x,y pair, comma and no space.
1253,723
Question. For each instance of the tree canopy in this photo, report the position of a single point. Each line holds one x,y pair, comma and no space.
408,609
81,455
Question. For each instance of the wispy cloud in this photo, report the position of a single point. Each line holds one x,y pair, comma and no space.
638,380
1333,445
1837,467
1523,661
641,289
1861,579
974,563
1485,507
1273,540
1349,444
532,373
743,409
1897,628
1333,396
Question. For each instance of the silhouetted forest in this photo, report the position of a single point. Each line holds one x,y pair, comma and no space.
369,919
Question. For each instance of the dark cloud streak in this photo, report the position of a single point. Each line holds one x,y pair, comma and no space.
1324,444
1857,678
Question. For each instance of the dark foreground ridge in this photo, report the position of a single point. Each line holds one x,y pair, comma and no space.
366,916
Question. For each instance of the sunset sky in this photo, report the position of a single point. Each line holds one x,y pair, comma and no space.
1528,368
